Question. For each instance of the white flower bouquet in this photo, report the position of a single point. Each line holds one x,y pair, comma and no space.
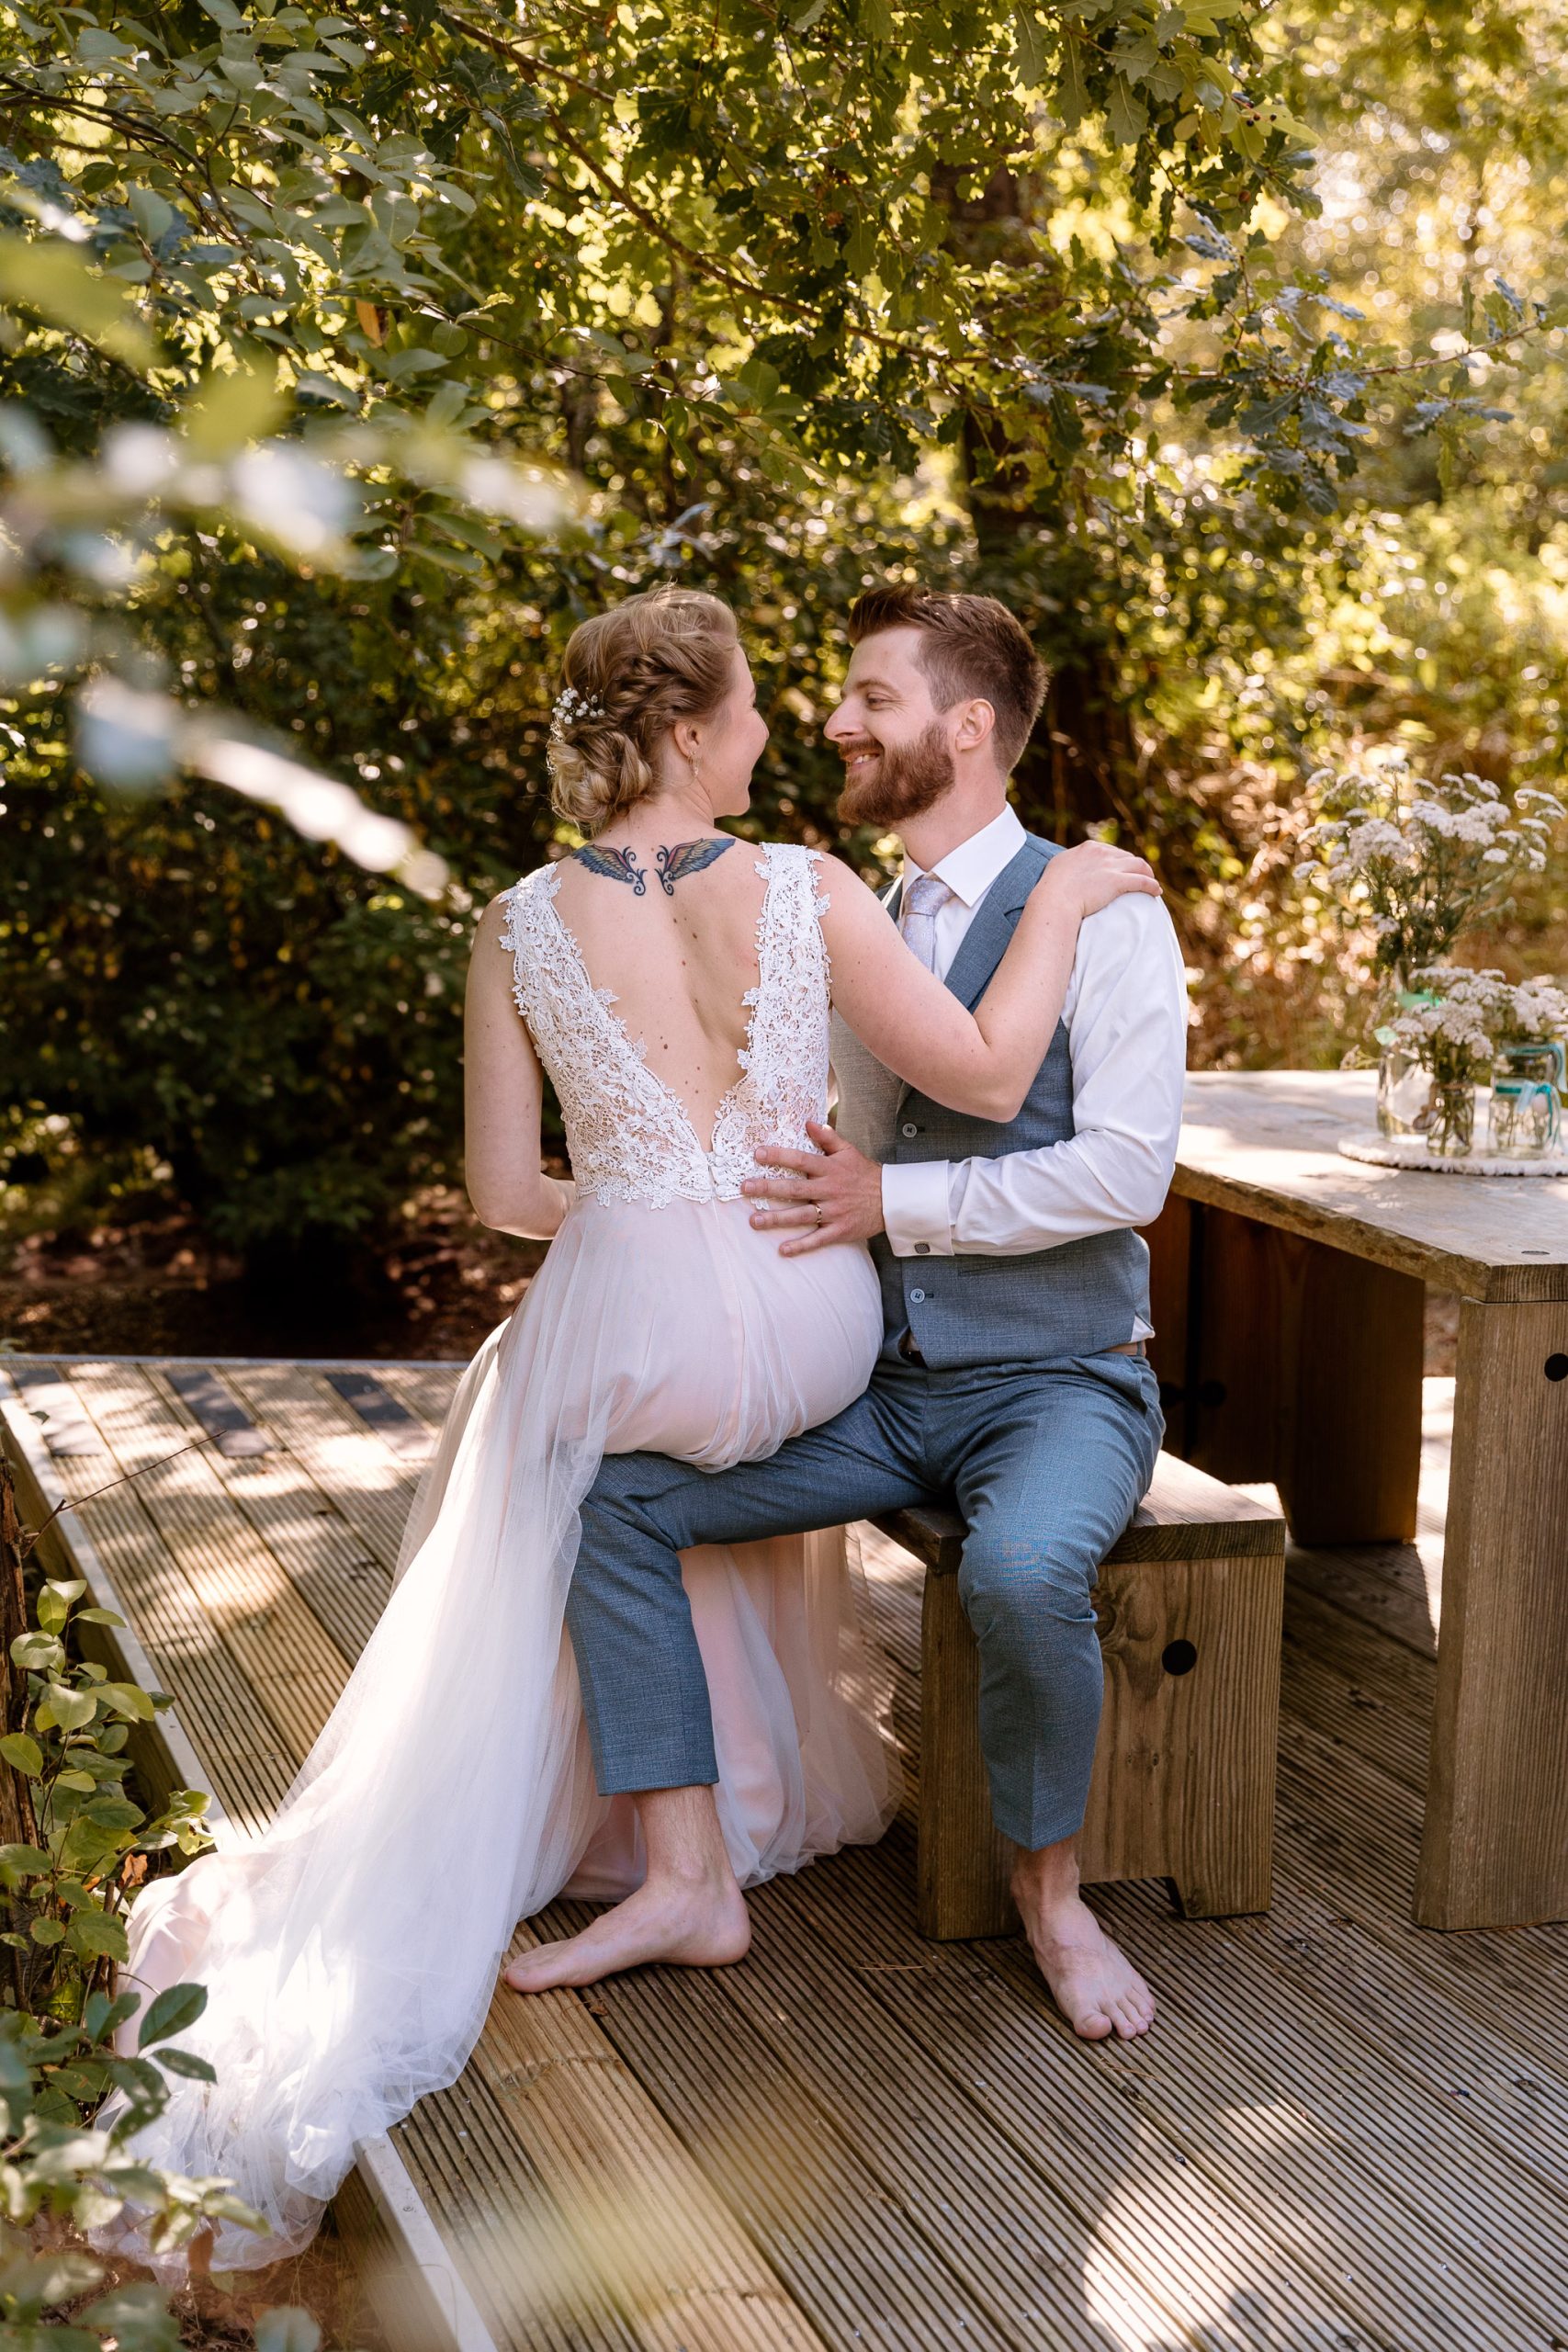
1456,1028
1464,1017
1422,861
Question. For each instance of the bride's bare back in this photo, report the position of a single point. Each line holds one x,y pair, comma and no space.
672,935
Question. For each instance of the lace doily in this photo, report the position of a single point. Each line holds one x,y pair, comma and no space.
1410,1152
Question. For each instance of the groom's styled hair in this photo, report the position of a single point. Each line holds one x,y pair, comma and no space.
974,646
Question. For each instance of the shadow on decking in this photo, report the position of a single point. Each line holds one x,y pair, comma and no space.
1344,2132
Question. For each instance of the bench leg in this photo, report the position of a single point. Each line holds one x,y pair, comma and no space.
1183,1785
963,1862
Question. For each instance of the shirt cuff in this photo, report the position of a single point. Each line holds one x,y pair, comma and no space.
915,1213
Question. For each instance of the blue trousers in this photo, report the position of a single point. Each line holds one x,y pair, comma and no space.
1046,1464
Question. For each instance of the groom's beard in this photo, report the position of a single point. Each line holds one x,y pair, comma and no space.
902,783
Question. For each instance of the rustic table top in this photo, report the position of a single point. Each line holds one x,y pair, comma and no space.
1262,1143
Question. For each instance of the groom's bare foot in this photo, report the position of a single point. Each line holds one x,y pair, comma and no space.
1092,1981
695,1923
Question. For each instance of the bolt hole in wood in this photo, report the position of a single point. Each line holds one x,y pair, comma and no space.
1178,1658
1557,1367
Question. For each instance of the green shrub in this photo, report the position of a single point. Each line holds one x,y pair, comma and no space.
65,1888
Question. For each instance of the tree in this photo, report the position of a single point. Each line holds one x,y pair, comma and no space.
794,298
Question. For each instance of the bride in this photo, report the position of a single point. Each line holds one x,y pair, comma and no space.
673,981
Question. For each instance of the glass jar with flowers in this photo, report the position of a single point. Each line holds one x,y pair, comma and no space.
1417,862
1525,1121
1454,1034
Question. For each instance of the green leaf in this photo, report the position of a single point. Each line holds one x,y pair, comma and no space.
68,1588
70,1709
47,1932
48,2336
48,277
127,1699
176,2007
97,1617
42,2280
94,1935
152,215
37,1650
185,2062
137,2316
234,409
22,1753
82,1781
287,2330
101,2016
1072,91
1126,117
1031,42
22,1861
447,404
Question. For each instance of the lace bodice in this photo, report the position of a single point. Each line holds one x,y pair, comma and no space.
629,1136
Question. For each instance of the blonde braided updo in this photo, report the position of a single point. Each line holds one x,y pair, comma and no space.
630,674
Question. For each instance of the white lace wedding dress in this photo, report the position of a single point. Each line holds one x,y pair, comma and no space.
351,1952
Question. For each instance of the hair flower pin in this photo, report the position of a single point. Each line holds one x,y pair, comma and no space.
571,708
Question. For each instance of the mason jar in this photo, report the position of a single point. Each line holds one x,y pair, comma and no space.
1526,1117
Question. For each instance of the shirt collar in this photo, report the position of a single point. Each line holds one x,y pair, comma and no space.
971,868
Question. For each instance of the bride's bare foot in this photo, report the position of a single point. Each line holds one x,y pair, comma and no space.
1093,1982
695,1923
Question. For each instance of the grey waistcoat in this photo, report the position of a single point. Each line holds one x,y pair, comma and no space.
1071,1300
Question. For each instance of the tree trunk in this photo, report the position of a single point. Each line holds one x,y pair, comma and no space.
1082,764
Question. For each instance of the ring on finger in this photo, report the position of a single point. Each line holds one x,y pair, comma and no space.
816,1208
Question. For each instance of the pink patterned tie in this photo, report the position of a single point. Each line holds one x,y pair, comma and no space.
924,898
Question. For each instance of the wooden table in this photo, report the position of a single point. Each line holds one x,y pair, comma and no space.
1288,1286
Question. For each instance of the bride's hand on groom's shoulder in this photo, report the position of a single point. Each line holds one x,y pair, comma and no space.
833,1193
1092,873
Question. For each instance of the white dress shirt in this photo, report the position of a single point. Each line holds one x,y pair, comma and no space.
1126,1017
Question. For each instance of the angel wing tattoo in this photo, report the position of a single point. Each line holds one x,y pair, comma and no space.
617,865
689,857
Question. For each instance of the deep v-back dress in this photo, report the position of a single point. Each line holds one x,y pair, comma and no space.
351,1951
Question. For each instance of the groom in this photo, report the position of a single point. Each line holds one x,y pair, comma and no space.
1012,1377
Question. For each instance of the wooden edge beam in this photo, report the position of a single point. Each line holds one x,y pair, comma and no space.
300,1363
417,2292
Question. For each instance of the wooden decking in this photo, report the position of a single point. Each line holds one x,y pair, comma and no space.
1345,2132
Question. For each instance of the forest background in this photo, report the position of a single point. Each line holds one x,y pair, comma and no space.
349,360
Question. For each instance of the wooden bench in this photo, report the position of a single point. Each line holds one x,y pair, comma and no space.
1188,1606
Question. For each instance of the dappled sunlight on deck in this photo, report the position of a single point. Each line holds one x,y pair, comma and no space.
1344,2130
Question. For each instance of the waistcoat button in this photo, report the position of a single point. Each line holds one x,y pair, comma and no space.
908,1128
916,1298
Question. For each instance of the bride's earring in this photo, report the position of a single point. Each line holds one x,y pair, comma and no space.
696,768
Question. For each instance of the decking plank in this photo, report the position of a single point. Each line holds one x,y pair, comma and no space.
370,1487
1372,1582
249,1765
583,2225
299,1522
425,1388
244,1588
1173,2155
1351,1854
858,2139
789,2176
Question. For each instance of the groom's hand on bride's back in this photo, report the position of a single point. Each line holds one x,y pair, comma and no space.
833,1193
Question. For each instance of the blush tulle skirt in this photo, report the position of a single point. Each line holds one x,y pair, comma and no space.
351,1951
